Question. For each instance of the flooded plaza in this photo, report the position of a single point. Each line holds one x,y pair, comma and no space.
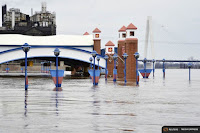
109,108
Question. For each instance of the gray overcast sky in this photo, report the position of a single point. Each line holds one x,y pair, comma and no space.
176,23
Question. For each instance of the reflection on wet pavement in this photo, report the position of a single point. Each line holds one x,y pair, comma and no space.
109,107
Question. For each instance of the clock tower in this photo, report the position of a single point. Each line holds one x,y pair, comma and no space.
131,46
97,40
110,52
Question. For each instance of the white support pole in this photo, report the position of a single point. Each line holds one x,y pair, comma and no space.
146,39
151,37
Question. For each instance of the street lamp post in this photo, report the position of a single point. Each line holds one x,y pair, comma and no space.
41,66
50,64
7,68
43,69
26,48
153,67
137,55
56,53
46,67
189,66
163,68
125,56
94,54
91,62
106,72
145,63
115,70
98,59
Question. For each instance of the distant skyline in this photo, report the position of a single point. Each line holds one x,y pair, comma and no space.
176,23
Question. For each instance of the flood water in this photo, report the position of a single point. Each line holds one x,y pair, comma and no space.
109,108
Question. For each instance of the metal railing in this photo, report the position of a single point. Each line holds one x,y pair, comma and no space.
117,55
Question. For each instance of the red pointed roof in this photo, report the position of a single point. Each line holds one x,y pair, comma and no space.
131,26
109,43
86,33
96,30
122,29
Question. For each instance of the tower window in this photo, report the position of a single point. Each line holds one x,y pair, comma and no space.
109,49
132,33
124,35
96,35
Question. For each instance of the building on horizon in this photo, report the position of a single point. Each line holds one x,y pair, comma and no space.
42,23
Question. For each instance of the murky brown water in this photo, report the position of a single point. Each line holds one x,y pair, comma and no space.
109,108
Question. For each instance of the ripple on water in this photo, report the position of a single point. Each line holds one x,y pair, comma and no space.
109,107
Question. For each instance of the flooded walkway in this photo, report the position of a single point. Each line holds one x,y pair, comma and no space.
112,108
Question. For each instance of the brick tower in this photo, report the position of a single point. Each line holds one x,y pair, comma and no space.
97,40
130,48
110,52
121,51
